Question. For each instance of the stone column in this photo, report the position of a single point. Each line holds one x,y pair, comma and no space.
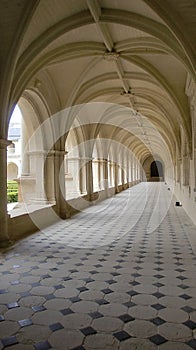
59,185
101,175
105,175
178,168
96,177
4,238
185,163
40,178
140,172
122,176
82,176
100,182
26,183
49,177
89,178
24,149
193,114
124,172
110,180
190,90
112,173
38,158
137,170
133,169
73,168
119,175
116,177
128,170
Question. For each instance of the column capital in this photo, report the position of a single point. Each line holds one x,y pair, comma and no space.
60,153
37,153
73,158
4,143
100,160
86,158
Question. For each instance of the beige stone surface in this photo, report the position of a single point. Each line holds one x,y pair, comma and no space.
100,341
69,338
107,324
140,329
175,332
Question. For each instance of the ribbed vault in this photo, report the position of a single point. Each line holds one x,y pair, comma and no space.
127,53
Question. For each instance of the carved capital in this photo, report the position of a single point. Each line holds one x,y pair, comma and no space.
4,143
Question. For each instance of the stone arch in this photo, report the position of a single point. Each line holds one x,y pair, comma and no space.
72,166
36,144
12,171
97,165
154,169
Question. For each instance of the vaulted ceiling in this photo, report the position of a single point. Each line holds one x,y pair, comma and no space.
136,54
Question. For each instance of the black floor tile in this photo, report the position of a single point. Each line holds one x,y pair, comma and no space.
38,308
95,315
101,301
129,304
158,295
42,346
190,324
157,321
187,309
26,322
9,341
13,305
126,318
132,293
82,289
88,331
74,299
192,343
66,311
157,339
158,306
55,326
122,335
107,291
185,296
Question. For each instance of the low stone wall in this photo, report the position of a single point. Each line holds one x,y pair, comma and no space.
28,223
188,200
25,224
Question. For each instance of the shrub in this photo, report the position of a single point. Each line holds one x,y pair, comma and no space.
12,185
12,191
12,197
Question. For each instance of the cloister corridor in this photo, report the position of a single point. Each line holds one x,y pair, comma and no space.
97,175
119,275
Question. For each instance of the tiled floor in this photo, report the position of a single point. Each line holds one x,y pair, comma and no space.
104,279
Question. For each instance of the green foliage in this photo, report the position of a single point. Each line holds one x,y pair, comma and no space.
12,191
12,185
12,197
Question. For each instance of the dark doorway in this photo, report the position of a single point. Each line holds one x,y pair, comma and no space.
156,169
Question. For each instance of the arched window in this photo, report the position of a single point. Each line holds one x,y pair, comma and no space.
12,171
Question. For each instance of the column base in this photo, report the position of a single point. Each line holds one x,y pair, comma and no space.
6,243
40,201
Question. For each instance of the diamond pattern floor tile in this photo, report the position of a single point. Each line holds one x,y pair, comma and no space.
9,341
157,339
92,283
122,335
